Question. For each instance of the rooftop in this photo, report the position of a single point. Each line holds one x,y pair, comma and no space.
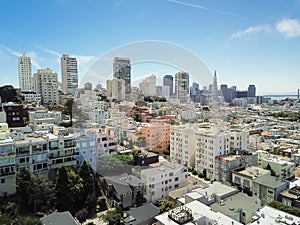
269,181
268,215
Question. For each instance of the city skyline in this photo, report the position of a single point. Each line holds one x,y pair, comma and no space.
241,41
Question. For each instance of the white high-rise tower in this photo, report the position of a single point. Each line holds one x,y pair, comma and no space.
69,74
25,78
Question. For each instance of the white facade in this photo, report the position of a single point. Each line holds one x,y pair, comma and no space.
159,181
25,78
69,74
31,97
44,117
183,144
211,142
148,85
46,84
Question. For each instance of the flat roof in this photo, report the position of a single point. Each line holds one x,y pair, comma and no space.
268,215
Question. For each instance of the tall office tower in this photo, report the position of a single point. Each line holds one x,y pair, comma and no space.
195,92
24,66
168,81
182,86
214,90
122,70
226,93
148,85
251,91
69,74
116,89
46,84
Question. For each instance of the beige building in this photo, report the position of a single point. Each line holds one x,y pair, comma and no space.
46,84
148,85
69,74
116,89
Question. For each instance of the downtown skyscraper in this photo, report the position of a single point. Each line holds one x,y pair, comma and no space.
182,86
122,70
168,81
24,67
69,74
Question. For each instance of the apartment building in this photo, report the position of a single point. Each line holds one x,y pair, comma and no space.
44,117
279,167
46,84
7,161
160,180
157,135
268,187
210,142
62,150
243,177
183,144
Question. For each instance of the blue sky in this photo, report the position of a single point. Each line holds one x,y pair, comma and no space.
255,41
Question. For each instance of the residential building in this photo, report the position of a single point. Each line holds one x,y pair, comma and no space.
182,86
291,197
157,135
25,77
160,180
116,89
279,167
168,81
16,114
97,115
122,70
194,213
269,215
7,161
243,177
183,144
165,92
210,142
42,117
58,218
69,74
62,150
31,152
224,165
32,97
268,187
239,207
148,85
46,84
142,215
125,189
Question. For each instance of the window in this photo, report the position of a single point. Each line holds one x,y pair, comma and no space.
2,181
83,152
91,160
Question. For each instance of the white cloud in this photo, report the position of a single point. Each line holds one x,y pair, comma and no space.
251,30
289,27
84,61
33,56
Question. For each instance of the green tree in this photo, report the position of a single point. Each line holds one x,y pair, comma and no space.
166,206
113,217
87,175
27,220
68,109
23,181
69,190
42,194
